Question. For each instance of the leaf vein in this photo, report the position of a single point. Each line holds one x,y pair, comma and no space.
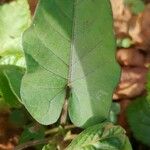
50,49
47,20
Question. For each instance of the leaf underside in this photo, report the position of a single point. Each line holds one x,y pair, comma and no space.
70,45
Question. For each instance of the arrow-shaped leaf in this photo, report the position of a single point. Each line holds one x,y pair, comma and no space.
70,54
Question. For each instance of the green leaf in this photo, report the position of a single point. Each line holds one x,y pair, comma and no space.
138,114
15,18
136,6
70,54
10,81
15,58
104,136
50,147
30,133
125,42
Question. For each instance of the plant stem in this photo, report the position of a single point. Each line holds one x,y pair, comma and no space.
64,113
53,140
55,130
70,137
33,143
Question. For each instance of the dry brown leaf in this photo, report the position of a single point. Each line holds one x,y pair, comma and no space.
121,15
139,29
132,82
130,57
135,28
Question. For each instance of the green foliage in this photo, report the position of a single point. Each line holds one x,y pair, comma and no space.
138,114
10,81
13,59
114,111
125,43
3,104
14,20
70,55
30,133
70,45
18,118
101,137
136,6
49,147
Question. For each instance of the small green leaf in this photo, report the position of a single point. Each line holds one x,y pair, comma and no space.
10,81
103,136
50,147
125,42
136,6
138,114
70,45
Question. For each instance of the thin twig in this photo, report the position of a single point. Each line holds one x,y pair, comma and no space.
57,139
70,137
55,130
33,143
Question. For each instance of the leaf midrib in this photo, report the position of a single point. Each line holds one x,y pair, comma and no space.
72,46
